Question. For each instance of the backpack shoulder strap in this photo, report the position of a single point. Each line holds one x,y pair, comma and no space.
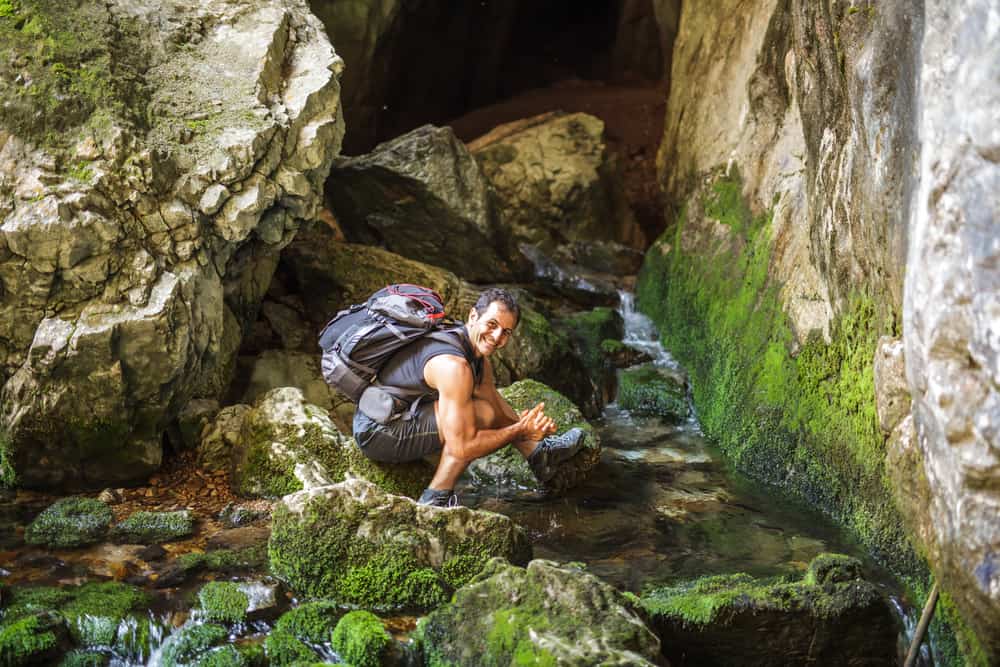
456,335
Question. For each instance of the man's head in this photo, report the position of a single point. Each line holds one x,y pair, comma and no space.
492,321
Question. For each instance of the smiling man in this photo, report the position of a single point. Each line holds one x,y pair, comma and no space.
460,414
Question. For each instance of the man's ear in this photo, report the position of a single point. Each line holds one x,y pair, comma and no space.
473,315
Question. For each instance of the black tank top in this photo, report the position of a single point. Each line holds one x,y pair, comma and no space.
405,369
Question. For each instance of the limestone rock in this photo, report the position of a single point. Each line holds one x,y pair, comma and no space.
892,393
221,439
832,615
352,543
588,332
651,390
287,444
556,181
70,522
140,237
952,304
508,467
192,420
423,196
546,613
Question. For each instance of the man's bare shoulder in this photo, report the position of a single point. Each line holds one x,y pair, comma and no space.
447,369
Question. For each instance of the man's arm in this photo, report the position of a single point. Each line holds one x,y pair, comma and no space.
452,377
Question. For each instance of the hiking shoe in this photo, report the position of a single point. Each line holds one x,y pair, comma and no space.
554,450
436,498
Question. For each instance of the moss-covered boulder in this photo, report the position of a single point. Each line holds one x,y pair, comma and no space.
300,629
70,522
352,543
546,614
223,602
653,390
283,431
831,616
193,643
508,467
361,640
587,332
36,639
153,527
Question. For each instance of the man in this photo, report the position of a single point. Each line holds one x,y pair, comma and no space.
461,414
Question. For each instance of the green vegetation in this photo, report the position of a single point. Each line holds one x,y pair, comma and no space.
361,640
61,64
30,639
588,330
80,171
284,648
84,659
150,527
312,621
70,522
224,560
223,602
8,475
800,417
188,643
647,390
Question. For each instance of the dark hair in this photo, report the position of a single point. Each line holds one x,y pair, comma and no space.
501,296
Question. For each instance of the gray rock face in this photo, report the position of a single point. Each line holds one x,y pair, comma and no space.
543,614
423,196
556,181
130,267
952,313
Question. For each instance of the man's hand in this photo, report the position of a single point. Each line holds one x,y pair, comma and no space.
534,424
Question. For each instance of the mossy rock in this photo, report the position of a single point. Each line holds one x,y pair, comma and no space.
284,648
361,640
588,330
154,527
830,616
283,431
312,621
223,602
80,658
546,614
35,639
649,390
191,642
352,544
70,522
507,466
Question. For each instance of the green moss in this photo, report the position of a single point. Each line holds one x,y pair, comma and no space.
27,640
830,568
73,61
647,390
34,599
510,634
391,579
149,527
223,656
361,640
806,420
223,602
587,330
311,621
80,171
70,522
97,609
610,346
8,475
225,560
185,645
284,648
84,659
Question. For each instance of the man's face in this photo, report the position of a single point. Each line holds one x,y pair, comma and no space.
491,330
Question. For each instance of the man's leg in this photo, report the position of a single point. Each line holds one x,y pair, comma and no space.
450,467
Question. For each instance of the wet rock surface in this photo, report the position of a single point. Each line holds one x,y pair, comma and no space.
832,614
545,612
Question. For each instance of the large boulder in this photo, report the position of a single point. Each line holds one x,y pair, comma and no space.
423,196
352,543
507,466
556,181
545,614
832,616
144,212
950,321
285,443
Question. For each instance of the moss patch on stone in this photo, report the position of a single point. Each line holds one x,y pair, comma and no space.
312,621
587,331
361,640
283,648
29,639
223,602
187,644
647,390
70,522
800,418
63,65
8,475
84,659
152,527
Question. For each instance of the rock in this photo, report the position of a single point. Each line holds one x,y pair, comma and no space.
587,332
892,393
130,269
832,615
604,257
238,539
109,497
508,467
653,390
221,439
556,181
423,196
620,355
950,320
352,543
148,527
223,602
191,422
572,283
545,614
70,522
283,431
235,516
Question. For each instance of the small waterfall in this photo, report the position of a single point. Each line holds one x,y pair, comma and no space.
640,332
